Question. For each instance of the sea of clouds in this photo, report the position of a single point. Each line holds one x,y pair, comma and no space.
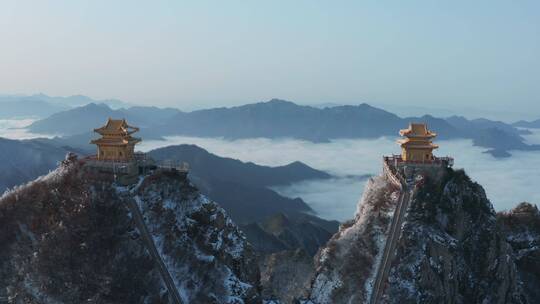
16,129
506,181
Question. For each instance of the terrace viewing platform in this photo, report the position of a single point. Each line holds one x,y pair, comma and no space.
171,165
397,161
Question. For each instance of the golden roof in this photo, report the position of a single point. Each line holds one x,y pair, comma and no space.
417,130
116,127
406,142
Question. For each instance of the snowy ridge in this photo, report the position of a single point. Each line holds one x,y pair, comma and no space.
198,241
346,267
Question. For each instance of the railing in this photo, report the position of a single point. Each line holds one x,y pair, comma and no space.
154,253
173,165
398,160
394,230
392,174
140,156
119,167
139,159
94,158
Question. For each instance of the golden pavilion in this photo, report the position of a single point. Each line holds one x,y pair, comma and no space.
116,142
417,146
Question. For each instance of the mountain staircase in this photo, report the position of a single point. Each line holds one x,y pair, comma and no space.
394,233
151,247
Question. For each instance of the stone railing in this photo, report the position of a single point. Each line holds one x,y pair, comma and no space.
391,172
173,166
123,167
397,161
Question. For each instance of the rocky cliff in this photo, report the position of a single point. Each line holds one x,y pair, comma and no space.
285,275
452,250
521,227
68,237
344,267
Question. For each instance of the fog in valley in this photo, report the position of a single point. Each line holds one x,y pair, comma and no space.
15,129
507,181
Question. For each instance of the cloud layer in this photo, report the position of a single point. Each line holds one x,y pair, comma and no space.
15,129
507,181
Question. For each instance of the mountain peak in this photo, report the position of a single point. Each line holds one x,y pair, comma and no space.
449,228
525,208
279,101
95,105
156,233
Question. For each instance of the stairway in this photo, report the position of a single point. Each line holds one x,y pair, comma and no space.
391,243
151,247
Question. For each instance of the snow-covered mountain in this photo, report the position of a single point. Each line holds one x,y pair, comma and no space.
521,227
71,237
452,249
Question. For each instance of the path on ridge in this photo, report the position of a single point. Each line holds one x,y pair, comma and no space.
151,247
391,243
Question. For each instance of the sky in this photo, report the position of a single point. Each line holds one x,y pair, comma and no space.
458,55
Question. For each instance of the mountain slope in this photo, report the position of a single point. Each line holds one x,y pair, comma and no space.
75,121
281,119
280,232
242,188
69,238
207,165
278,118
451,249
25,160
535,124
521,227
84,119
24,107
42,106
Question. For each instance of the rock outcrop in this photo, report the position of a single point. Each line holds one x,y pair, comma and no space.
345,266
451,249
205,252
285,275
68,237
521,227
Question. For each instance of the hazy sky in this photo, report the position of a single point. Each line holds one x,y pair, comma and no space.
461,54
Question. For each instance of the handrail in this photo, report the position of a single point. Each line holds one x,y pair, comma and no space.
394,231
174,165
154,253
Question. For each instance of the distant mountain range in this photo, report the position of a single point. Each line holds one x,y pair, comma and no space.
25,160
24,108
535,124
82,120
281,119
41,105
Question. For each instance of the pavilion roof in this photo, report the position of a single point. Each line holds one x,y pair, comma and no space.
417,130
116,126
406,142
